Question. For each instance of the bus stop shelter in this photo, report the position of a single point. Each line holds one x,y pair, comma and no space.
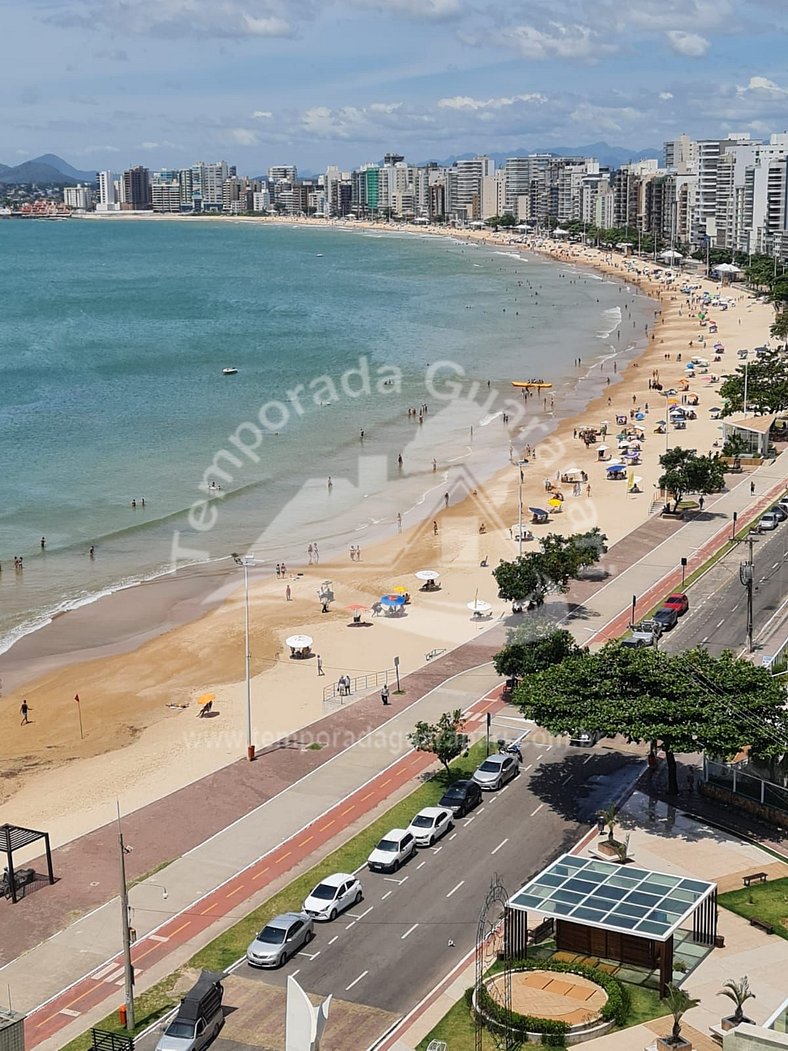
619,912
13,838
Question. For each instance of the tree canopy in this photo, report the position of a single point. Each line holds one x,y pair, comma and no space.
686,472
767,386
444,738
533,647
687,702
559,560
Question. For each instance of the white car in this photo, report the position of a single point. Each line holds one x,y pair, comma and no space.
394,849
333,895
430,824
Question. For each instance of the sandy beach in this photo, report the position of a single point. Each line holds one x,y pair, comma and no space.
138,699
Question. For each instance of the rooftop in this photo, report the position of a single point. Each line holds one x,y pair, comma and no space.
612,896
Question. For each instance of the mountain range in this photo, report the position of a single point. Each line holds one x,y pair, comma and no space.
48,169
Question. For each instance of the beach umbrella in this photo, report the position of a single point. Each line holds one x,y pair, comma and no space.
206,698
555,502
356,607
392,601
399,590
427,574
299,642
479,606
640,415
538,511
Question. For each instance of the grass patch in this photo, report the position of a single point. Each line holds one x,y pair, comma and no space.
150,872
644,1004
232,944
767,902
456,1028
148,1006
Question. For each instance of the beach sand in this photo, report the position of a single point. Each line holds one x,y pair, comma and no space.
142,737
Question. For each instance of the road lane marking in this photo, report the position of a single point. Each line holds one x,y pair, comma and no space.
384,896
721,623
455,888
501,844
588,758
328,824
481,809
391,879
437,850
283,856
307,840
310,955
182,927
356,981
421,865
538,758
104,972
567,778
237,890
471,818
365,912
410,930
158,938
535,812
527,768
261,873
453,835
335,938
67,1011
296,971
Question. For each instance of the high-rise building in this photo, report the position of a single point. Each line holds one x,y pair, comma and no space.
136,190
280,172
79,197
107,196
467,186
165,189
208,185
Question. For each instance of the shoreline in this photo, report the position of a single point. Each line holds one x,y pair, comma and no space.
128,759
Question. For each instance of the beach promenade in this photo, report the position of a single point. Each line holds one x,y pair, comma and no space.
292,792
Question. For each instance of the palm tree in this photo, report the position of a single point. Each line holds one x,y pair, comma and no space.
739,991
679,1003
609,818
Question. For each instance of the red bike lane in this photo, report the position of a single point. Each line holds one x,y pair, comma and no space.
106,981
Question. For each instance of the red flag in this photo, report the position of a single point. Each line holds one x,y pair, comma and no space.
76,697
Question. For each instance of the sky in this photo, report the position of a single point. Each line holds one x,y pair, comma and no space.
110,83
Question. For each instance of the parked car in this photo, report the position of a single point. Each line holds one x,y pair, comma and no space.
333,895
768,522
585,738
430,824
668,618
638,641
651,626
783,503
393,850
199,1017
280,939
678,601
496,770
461,797
780,511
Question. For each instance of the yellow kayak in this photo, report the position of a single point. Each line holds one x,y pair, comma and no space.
533,384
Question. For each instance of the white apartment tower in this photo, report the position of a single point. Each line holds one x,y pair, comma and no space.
108,199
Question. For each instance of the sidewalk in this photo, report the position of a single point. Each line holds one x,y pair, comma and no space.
289,786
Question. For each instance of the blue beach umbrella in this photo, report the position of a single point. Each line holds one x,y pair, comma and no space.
392,601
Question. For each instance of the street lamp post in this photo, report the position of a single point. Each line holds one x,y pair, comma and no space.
520,465
128,967
245,563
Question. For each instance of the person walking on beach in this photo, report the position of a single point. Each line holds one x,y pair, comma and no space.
384,695
309,553
434,527
446,499
288,593
316,553
320,665
23,710
399,522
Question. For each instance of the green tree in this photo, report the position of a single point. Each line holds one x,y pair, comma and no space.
507,220
532,647
678,1003
739,992
686,472
444,739
767,386
559,560
687,702
779,327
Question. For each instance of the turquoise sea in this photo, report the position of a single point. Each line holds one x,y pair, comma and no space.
113,337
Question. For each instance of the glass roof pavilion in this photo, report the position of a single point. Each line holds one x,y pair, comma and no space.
613,897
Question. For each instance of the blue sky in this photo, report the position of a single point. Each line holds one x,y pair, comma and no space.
107,83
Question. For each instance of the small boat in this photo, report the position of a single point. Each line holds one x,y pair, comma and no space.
229,371
533,384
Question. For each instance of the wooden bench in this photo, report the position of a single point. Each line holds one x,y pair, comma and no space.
542,931
755,877
767,928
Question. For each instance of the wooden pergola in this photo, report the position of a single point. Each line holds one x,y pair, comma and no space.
13,838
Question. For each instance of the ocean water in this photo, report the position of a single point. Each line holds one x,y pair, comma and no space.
113,337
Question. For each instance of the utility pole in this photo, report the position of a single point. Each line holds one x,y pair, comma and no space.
128,967
746,576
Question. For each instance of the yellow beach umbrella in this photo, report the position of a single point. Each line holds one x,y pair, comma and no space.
399,590
205,697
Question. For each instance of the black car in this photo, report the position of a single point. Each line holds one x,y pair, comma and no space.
667,618
780,511
461,797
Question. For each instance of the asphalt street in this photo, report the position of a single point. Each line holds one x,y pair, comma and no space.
389,950
717,618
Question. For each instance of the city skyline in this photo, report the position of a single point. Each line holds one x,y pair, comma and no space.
111,85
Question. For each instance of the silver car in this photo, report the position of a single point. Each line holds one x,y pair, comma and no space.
496,770
280,939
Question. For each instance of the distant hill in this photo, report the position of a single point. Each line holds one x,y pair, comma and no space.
48,169
607,155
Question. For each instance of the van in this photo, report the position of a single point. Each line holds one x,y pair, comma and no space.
199,1017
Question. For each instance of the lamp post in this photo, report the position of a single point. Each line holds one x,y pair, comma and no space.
746,572
245,563
520,465
125,919
683,570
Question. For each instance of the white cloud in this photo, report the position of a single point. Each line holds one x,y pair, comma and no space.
690,44
385,107
262,114
557,40
101,149
242,136
178,18
666,96
465,102
270,26
423,10
763,87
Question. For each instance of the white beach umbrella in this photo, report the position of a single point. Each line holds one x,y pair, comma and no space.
299,642
427,574
479,606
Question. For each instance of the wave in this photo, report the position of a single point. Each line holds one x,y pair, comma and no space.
611,319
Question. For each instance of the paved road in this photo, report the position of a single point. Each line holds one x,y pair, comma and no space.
718,616
392,948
